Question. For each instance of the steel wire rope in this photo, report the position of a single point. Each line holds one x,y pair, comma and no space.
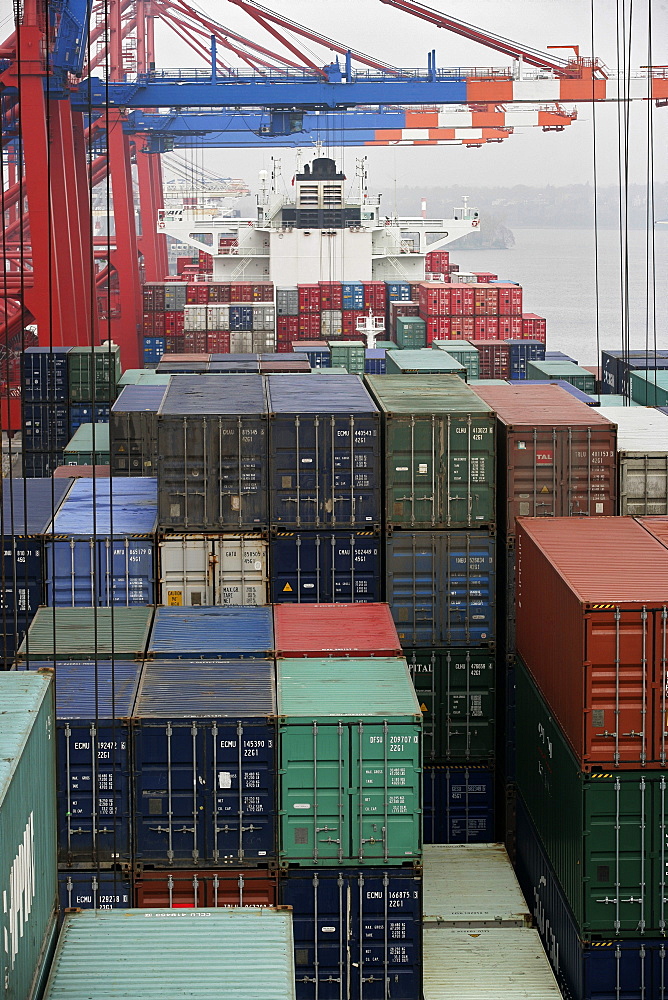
595,178
650,240
623,126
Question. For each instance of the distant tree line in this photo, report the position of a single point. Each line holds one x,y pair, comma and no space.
507,208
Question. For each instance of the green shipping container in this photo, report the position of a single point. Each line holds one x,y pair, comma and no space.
604,832
350,733
439,442
348,353
649,387
235,953
456,691
28,863
411,332
463,351
386,345
93,373
84,633
564,370
89,445
424,362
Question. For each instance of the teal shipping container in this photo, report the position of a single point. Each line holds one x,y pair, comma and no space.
649,387
423,362
84,633
89,445
567,371
411,332
350,734
463,351
28,872
235,953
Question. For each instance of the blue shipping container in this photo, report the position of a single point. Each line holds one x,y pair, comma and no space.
374,361
522,351
353,295
93,703
441,587
202,633
154,348
602,970
357,932
397,291
45,426
44,374
559,356
319,357
458,804
86,413
572,389
205,760
241,317
341,567
103,546
324,453
27,506
100,890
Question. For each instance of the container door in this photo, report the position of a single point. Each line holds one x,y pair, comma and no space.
238,481
351,479
297,568
643,485
240,796
659,876
296,474
533,475
618,854
321,926
93,792
660,676
414,589
353,569
467,587
386,812
72,572
183,454
315,794
170,792
467,472
618,687
386,917
588,472
414,474
186,570
125,571
240,570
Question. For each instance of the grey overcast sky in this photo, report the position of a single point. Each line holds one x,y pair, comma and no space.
530,156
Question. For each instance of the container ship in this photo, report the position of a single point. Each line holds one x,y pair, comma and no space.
342,591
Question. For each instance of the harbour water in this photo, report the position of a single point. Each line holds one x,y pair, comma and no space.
556,267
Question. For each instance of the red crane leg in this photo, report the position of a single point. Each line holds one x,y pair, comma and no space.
151,243
125,329
83,200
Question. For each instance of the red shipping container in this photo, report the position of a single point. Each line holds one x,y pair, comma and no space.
494,358
218,341
533,327
462,300
335,630
307,325
192,291
591,629
487,328
194,341
278,366
309,298
374,296
559,455
510,300
205,262
437,328
349,321
331,295
182,262
158,324
462,327
189,889
485,276
81,471
486,300
187,357
263,291
174,344
434,299
510,327
241,291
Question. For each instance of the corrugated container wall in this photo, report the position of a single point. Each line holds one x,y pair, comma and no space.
471,885
212,454
350,764
86,633
335,630
642,445
180,954
27,830
336,566
133,430
439,442
221,569
208,633
458,804
202,887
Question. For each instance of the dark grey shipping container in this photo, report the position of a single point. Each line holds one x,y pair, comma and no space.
212,454
324,455
133,433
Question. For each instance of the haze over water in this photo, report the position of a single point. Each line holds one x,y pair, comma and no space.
557,271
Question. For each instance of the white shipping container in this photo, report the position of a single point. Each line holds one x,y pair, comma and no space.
226,569
241,342
218,317
263,316
194,318
264,342
471,885
331,322
486,963
642,458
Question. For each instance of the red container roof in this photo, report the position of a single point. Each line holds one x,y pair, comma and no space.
604,560
657,526
335,630
537,405
81,471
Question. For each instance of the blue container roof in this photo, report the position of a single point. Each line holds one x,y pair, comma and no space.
375,352
207,632
47,350
663,353
84,688
139,398
195,395
118,506
303,394
28,505
209,688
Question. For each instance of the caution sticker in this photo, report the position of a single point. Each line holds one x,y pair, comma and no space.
174,598
287,589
